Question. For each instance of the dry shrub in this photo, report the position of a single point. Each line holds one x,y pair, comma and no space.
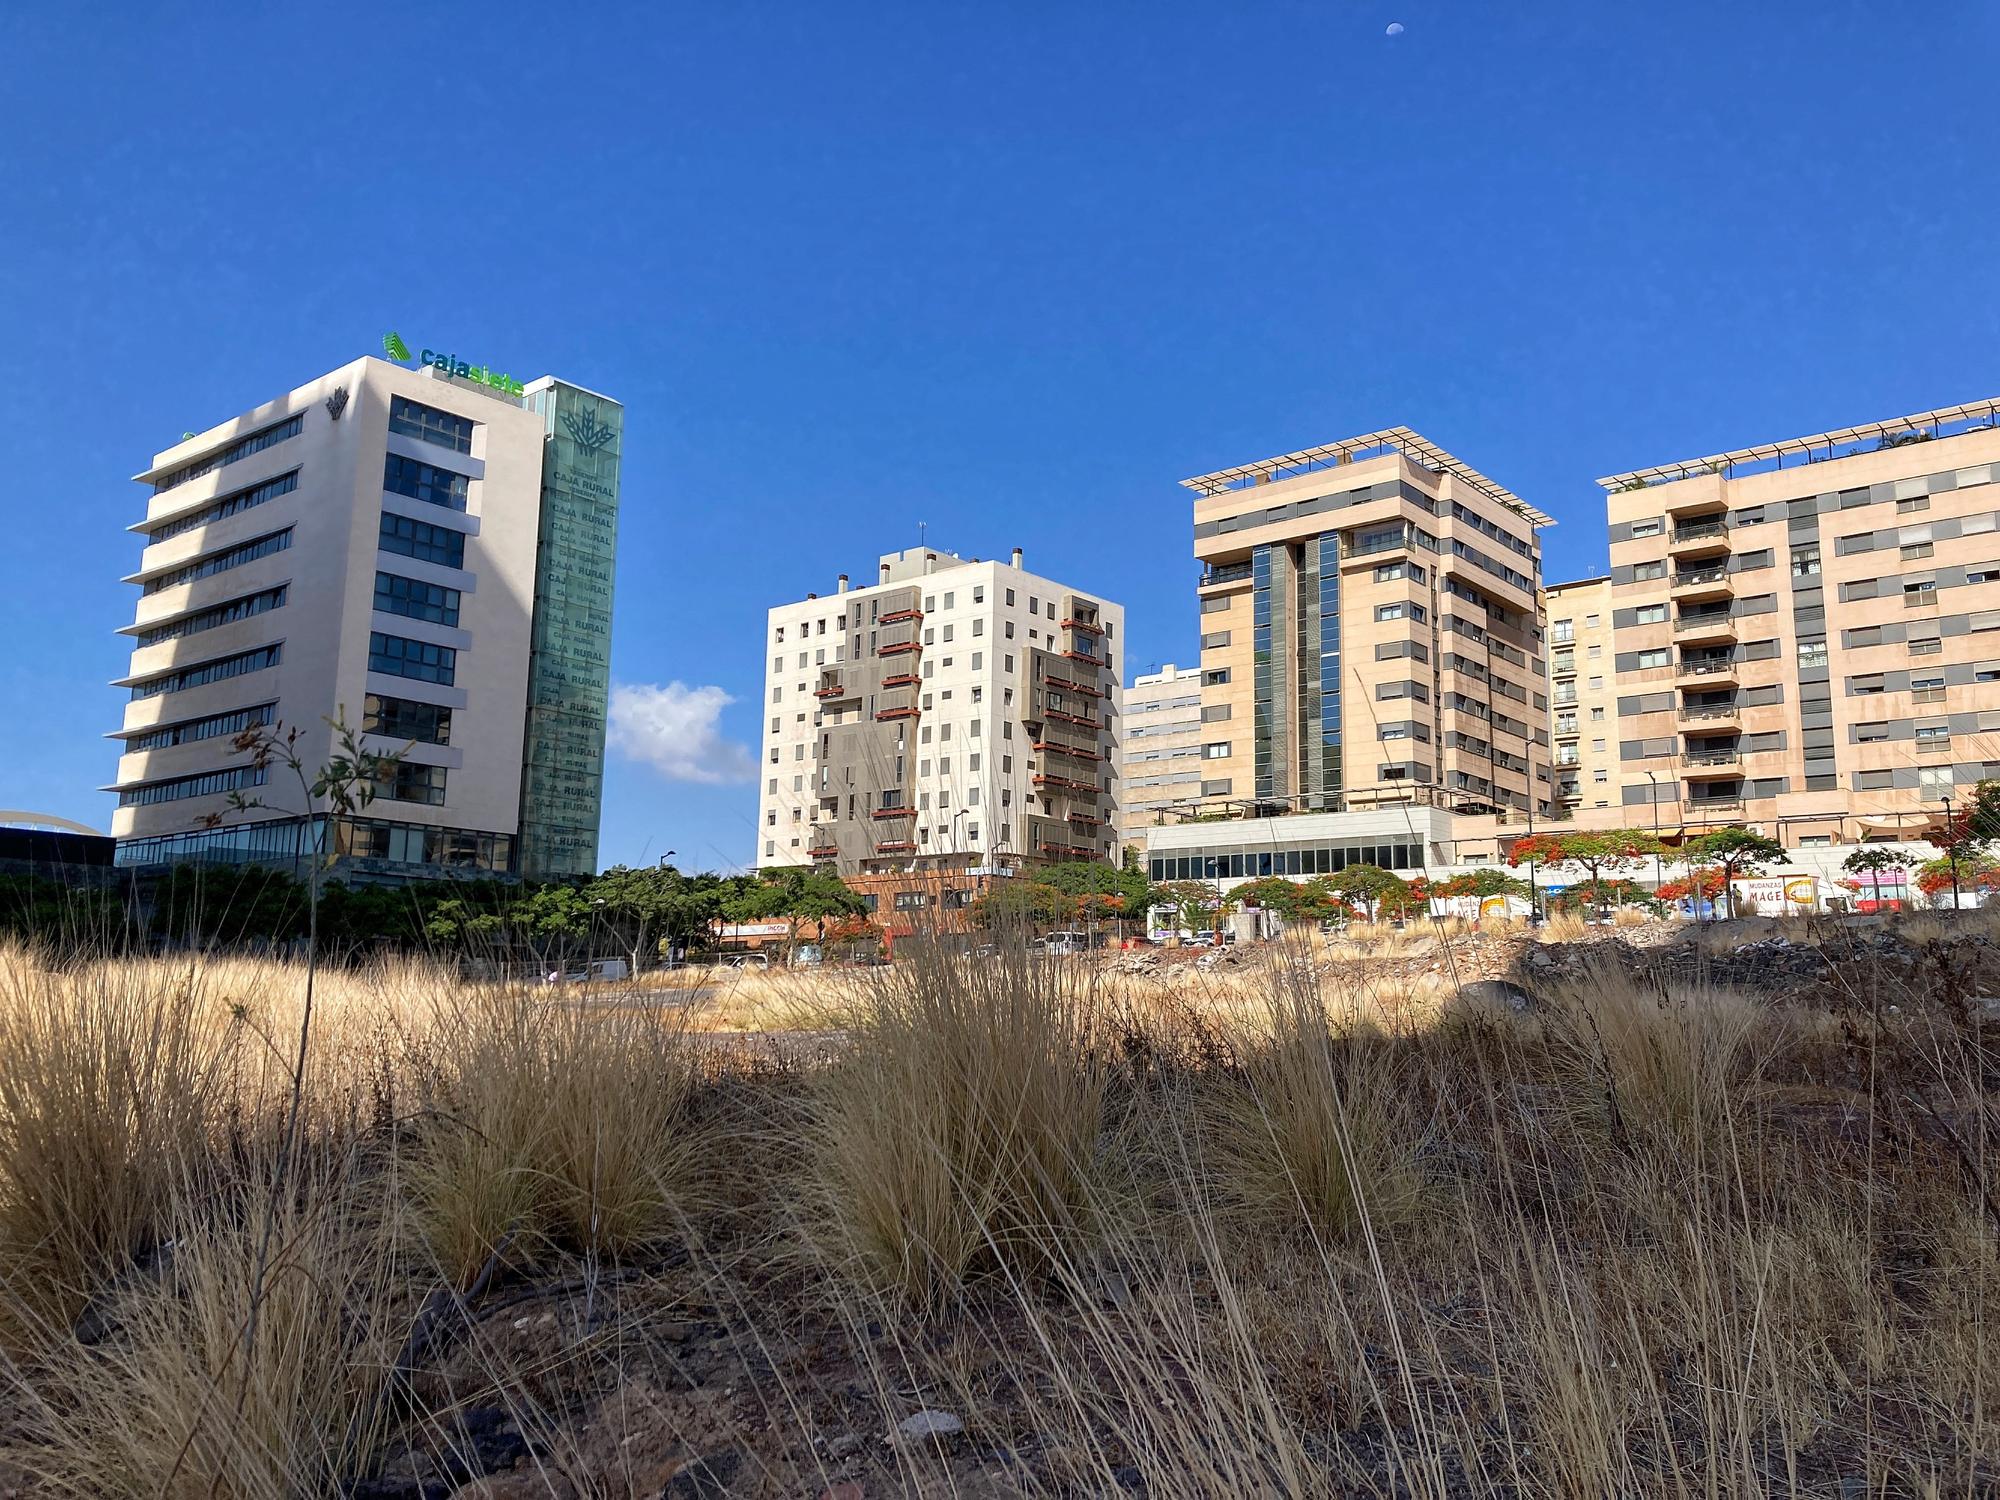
1564,927
109,1079
173,1405
1672,1063
958,1138
1315,1134
553,1121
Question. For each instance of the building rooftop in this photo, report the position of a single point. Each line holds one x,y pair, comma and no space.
1412,445
1821,446
1575,583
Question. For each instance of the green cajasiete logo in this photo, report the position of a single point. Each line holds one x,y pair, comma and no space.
451,364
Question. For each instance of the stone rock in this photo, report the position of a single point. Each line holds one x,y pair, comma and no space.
1497,992
847,1489
929,1424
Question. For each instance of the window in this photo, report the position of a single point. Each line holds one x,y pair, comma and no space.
192,731
1597,715
1932,737
202,673
1389,572
1649,614
1388,611
1805,561
410,782
1812,652
1219,788
1873,781
422,481
208,619
221,562
208,784
1215,677
1646,571
1911,551
1934,778
1870,734
406,719
257,442
229,505
1910,504
1215,640
1865,686
1215,604
1929,646
979,593
1659,656
401,657
1919,592
396,595
1215,750
429,425
423,541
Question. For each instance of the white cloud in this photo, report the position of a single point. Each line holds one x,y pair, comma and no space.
674,730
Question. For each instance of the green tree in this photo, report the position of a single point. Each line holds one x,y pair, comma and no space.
639,904
1372,890
1737,852
1490,881
1197,906
795,895
1022,905
1290,899
552,920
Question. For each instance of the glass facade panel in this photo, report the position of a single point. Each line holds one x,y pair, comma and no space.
569,663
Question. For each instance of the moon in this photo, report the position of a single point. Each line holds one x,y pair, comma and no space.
1395,29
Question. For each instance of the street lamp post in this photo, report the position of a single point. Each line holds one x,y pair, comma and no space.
1659,864
1951,852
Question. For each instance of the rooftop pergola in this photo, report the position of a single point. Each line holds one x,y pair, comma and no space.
1817,448
1412,445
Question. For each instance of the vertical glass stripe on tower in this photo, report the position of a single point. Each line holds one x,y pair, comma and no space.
569,663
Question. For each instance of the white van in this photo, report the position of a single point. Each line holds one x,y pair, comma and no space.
1066,942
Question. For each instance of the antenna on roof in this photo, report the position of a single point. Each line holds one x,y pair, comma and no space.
923,530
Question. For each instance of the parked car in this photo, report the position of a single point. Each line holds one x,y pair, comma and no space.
755,960
1066,942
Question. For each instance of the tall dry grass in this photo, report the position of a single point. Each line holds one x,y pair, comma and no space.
1297,1236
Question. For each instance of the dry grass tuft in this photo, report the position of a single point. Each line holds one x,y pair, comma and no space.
173,1404
559,1123
958,1139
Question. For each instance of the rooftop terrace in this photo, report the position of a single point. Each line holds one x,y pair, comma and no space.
1412,445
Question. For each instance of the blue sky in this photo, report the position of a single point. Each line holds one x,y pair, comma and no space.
1009,270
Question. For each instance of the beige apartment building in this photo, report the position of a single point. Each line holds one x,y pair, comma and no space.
1370,634
951,715
1583,727
422,551
1808,632
1160,747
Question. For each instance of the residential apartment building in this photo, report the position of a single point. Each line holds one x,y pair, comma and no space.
1160,748
1808,632
952,715
1583,728
1370,633
423,553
